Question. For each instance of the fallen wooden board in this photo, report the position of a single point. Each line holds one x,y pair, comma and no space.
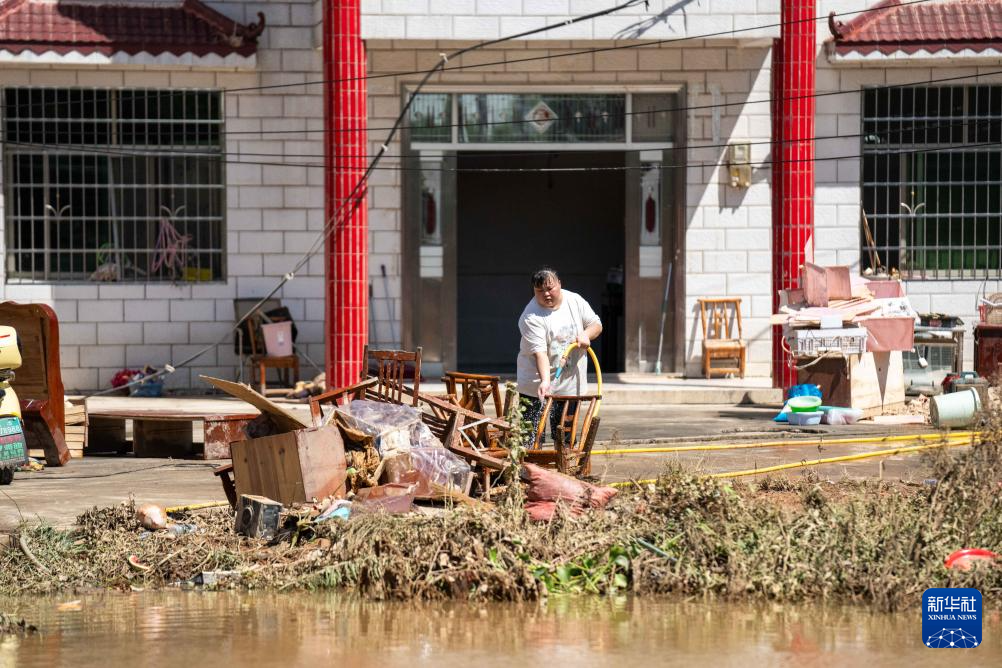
284,419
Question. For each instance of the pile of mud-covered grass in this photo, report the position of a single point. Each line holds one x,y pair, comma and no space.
872,542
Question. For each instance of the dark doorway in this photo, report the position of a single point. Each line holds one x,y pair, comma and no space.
511,223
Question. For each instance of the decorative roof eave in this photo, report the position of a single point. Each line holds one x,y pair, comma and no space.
940,54
124,31
939,32
140,59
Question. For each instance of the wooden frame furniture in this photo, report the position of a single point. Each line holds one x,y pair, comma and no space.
391,369
718,316
576,432
260,360
38,382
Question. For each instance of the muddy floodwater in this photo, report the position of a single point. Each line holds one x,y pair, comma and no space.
193,629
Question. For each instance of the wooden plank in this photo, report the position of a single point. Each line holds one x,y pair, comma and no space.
106,434
814,283
283,419
221,430
160,438
838,283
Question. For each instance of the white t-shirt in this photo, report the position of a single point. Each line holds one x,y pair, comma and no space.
551,331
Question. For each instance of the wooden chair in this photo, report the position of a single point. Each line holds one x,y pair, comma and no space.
260,361
387,385
474,391
576,432
391,368
718,315
38,382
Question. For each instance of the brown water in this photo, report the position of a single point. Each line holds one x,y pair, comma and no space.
250,630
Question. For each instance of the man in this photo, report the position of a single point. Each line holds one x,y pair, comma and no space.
553,320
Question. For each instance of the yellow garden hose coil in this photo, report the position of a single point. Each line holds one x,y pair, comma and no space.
594,361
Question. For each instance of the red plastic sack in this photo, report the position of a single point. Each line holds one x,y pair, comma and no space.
543,511
547,485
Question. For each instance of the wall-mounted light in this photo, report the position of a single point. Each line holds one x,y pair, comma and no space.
739,164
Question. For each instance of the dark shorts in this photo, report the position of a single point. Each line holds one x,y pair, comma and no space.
534,411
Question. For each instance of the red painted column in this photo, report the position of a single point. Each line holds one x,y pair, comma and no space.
793,166
346,257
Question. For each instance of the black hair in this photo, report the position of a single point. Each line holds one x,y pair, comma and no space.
542,275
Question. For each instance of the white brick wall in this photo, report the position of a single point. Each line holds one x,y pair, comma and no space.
274,213
491,19
104,328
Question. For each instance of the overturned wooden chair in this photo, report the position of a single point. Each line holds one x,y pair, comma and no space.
577,428
719,316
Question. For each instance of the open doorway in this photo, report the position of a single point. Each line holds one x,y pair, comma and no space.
511,223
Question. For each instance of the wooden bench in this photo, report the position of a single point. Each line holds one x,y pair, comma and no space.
166,433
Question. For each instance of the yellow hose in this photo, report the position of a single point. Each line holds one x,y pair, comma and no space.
598,371
196,506
951,443
779,444
844,458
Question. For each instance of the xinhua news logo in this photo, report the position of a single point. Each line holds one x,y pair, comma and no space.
951,618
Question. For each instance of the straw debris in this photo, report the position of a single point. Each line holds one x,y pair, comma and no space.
874,542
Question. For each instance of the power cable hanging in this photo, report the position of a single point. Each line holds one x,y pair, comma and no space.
604,168
770,142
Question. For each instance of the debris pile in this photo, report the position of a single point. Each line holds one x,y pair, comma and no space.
871,542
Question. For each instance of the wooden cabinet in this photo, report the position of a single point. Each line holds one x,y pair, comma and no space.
987,349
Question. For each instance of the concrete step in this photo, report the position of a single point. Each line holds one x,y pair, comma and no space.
647,390
626,395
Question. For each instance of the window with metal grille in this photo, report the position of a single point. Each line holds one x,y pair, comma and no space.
113,185
932,181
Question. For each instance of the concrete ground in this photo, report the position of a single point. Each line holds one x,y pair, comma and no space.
58,495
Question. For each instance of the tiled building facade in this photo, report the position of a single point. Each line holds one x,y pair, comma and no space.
271,213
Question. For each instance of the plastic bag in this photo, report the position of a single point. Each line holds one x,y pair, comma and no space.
842,416
441,467
421,437
389,424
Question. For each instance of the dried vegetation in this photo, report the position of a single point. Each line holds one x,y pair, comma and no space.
872,542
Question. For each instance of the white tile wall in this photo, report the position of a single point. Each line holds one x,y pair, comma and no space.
274,213
490,19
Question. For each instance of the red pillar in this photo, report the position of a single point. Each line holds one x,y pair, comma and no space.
793,154
346,256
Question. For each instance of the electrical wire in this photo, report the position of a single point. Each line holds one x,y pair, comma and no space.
355,197
499,153
357,194
569,54
37,478
603,168
700,107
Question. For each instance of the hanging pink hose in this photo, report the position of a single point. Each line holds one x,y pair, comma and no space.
171,248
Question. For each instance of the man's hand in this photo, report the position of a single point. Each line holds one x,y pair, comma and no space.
544,389
583,341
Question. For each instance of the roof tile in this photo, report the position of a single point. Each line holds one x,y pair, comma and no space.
891,27
184,27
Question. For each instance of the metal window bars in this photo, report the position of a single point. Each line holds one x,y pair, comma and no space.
113,185
932,181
